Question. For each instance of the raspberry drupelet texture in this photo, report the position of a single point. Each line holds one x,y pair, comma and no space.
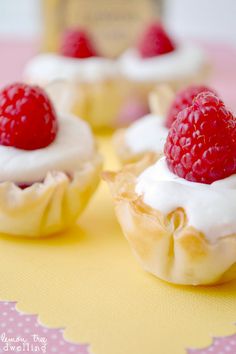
77,44
183,99
201,145
27,117
154,42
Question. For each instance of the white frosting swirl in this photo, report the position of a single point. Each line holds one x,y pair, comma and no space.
210,208
186,60
50,67
147,134
74,145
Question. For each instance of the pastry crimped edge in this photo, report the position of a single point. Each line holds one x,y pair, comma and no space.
123,151
100,103
51,206
159,101
166,245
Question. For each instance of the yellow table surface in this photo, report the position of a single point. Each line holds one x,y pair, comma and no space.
88,281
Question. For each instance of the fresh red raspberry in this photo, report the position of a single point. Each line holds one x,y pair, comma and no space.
201,145
27,117
155,41
183,99
77,44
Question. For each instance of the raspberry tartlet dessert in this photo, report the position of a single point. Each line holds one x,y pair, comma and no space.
157,59
178,213
149,133
92,85
49,164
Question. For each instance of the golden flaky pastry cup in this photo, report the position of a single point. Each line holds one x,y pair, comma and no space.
100,103
160,99
48,207
123,151
166,245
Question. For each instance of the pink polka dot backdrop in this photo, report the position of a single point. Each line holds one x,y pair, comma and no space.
22,333
220,345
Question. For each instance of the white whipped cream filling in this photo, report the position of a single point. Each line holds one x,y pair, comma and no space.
74,145
49,67
147,134
186,60
210,208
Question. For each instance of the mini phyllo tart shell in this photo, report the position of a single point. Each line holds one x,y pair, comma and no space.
166,245
124,152
48,207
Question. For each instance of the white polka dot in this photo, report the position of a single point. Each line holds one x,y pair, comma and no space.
54,349
3,324
228,348
45,330
9,330
54,336
28,319
11,319
4,313
19,324
62,342
72,349
233,342
26,330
